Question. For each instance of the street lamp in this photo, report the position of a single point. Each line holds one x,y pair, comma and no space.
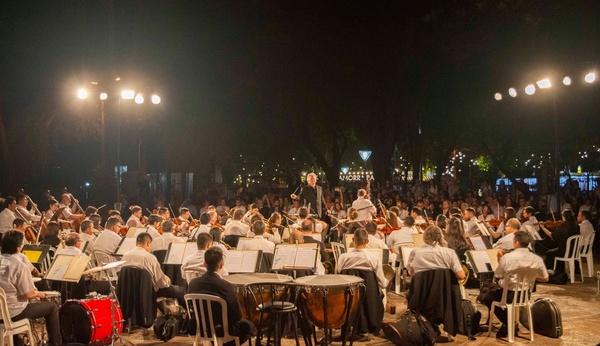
127,94
546,83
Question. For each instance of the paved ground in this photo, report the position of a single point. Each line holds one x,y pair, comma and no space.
579,304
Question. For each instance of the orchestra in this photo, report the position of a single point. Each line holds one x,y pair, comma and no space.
367,224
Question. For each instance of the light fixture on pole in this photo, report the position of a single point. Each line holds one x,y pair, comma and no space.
345,169
365,154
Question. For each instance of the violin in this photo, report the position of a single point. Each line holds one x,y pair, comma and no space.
495,222
123,230
551,224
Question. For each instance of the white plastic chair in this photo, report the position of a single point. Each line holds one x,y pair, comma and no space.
189,275
10,328
103,258
572,255
47,262
202,307
338,249
586,252
524,279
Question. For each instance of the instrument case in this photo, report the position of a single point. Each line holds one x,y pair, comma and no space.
546,318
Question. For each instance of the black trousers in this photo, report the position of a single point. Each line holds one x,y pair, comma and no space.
47,310
495,294
172,291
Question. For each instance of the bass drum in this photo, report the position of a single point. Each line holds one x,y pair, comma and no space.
88,321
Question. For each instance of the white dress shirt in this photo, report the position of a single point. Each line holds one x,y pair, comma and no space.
195,263
162,242
365,209
16,281
67,250
6,220
586,228
107,242
141,258
505,243
258,243
520,259
401,236
236,227
362,260
29,216
429,257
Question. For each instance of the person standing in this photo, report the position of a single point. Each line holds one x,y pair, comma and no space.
364,206
311,195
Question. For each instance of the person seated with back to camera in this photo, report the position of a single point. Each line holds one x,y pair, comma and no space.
212,283
140,257
519,259
195,262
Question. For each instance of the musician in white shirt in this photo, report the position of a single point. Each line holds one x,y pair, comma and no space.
135,220
23,213
72,245
259,242
109,239
168,237
236,226
585,227
7,216
364,206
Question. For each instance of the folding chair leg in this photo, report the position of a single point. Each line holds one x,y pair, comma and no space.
491,319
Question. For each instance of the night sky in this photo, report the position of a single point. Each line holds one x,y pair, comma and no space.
264,78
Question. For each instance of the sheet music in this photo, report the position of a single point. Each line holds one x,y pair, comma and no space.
175,253
478,243
76,268
533,231
242,241
126,245
241,261
132,232
234,261
481,261
59,267
305,258
483,229
348,241
284,257
190,249
317,236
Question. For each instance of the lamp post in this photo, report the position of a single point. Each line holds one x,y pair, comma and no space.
546,83
127,94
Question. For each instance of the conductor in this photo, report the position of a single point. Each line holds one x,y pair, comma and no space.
311,195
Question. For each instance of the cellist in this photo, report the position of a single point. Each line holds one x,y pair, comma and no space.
70,211
29,215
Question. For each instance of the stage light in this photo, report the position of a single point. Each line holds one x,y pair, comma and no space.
530,89
82,94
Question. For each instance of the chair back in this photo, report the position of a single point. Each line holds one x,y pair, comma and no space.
103,258
201,307
4,313
573,248
136,296
338,249
587,243
47,262
190,275
522,280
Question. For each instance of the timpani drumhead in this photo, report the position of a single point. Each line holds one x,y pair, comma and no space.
257,278
329,280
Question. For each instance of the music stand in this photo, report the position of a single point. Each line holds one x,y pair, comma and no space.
243,261
36,254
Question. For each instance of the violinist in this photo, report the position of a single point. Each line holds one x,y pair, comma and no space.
70,211
274,228
153,222
364,206
89,211
559,236
236,226
509,213
252,210
169,236
374,241
117,214
52,207
486,214
135,220
164,213
417,215
204,227
29,215
402,210
403,235
530,220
